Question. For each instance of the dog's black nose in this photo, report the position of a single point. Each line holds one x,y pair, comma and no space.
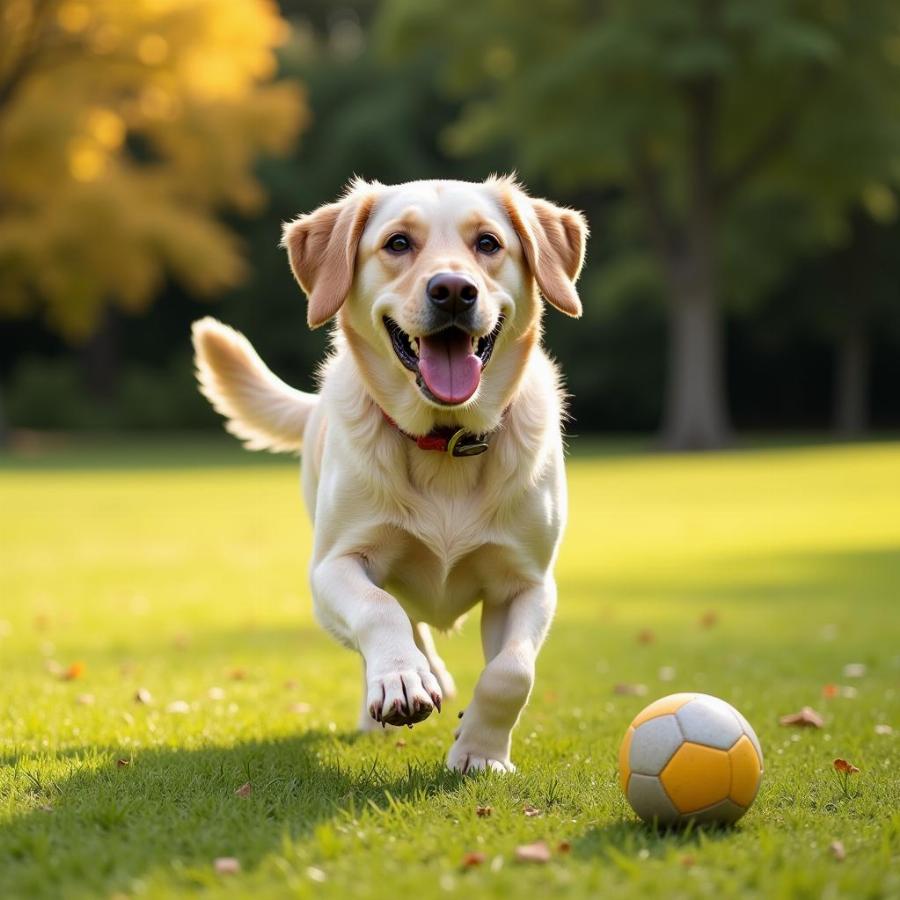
452,292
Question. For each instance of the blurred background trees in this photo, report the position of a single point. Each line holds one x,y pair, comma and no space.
738,162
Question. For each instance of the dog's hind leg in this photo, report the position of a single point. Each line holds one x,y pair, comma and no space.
425,642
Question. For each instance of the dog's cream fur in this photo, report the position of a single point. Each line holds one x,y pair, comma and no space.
406,537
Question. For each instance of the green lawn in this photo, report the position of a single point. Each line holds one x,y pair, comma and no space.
181,569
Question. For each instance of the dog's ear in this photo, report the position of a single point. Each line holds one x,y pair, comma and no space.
322,250
553,240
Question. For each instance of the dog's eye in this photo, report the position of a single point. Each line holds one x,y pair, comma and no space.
487,243
398,243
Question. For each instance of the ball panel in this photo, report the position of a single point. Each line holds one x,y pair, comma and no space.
662,707
726,812
649,800
746,772
654,743
697,777
748,730
624,770
709,721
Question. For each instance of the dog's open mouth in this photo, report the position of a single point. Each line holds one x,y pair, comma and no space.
448,363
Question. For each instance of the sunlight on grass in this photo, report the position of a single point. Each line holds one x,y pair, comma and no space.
756,576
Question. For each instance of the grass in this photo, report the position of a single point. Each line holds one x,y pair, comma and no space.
157,571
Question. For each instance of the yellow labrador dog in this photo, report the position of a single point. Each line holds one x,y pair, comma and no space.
433,453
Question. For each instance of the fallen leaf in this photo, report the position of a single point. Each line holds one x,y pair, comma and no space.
709,619
563,847
837,850
122,763
85,699
646,636
538,852
854,670
881,728
843,766
483,811
73,672
226,865
630,690
142,695
245,790
530,811
178,707
830,691
806,718
475,858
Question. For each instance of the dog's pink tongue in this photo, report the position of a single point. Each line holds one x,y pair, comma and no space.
448,366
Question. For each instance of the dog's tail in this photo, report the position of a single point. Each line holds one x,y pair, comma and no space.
263,411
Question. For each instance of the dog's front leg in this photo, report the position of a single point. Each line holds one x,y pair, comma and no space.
400,688
511,634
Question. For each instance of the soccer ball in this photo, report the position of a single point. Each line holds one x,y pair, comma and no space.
690,757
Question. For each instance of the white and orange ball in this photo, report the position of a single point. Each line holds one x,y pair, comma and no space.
690,757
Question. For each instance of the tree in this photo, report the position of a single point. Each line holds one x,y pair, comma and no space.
696,111
126,130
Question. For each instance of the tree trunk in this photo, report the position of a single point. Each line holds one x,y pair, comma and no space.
4,426
695,415
851,412
100,358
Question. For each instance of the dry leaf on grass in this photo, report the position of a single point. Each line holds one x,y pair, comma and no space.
841,765
475,858
806,718
245,790
143,696
538,852
563,847
530,811
483,811
123,763
226,865
74,671
837,850
630,690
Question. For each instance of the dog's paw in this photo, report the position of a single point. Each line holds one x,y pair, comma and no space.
464,758
403,697
479,747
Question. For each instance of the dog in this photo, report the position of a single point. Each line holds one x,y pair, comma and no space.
432,455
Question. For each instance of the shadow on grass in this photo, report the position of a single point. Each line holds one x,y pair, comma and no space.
109,824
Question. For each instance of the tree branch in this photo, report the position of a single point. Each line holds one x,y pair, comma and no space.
771,141
663,231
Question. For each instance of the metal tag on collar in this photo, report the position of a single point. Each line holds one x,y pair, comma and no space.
464,444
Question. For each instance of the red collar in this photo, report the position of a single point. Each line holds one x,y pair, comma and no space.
445,439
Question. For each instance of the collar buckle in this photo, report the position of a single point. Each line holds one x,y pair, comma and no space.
461,444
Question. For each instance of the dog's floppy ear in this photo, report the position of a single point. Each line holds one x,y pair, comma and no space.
322,249
553,240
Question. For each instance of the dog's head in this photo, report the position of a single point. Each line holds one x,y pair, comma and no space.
436,283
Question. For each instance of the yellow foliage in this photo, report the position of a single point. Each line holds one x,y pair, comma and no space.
126,128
